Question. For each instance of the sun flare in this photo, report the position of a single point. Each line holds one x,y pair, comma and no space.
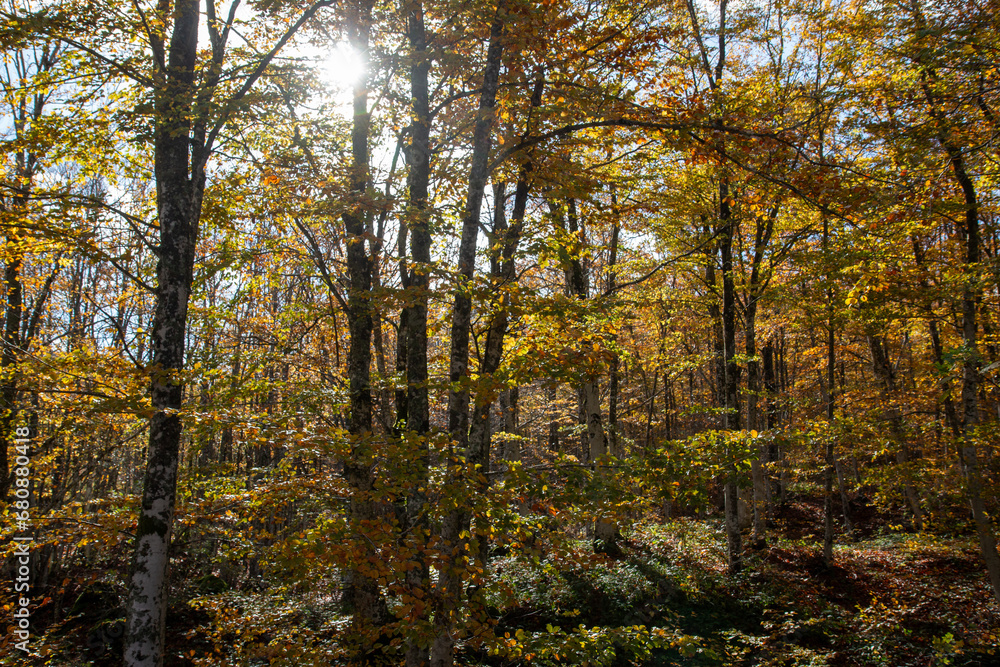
342,67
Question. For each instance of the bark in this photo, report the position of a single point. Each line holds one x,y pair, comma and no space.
9,357
886,378
578,286
595,439
845,502
181,146
417,409
830,390
970,232
450,586
551,393
206,455
386,402
777,386
650,401
762,237
970,370
937,349
511,408
399,394
361,595
614,365
179,207
605,531
715,315
731,414
226,440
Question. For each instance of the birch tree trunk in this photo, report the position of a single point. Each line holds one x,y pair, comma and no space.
178,196
182,142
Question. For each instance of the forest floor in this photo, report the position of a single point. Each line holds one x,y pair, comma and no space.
892,598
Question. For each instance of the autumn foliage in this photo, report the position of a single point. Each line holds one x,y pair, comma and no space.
557,333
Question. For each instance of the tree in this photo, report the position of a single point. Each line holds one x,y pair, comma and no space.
191,108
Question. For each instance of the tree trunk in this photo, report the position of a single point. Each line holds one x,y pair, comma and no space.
970,297
936,348
762,236
731,415
970,371
450,587
718,377
179,207
361,595
753,393
771,420
613,379
181,146
830,397
882,368
845,503
551,393
418,280
595,440
9,356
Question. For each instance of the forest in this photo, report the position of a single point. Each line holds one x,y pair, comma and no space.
500,333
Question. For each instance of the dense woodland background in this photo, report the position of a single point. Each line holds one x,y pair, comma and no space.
502,333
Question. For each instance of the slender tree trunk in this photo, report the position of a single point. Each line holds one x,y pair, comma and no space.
418,281
762,236
937,350
734,538
450,588
970,371
595,439
771,420
650,407
552,394
845,502
718,377
510,404
668,405
753,393
9,356
362,594
179,204
605,531
577,285
970,298
615,362
882,368
831,401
